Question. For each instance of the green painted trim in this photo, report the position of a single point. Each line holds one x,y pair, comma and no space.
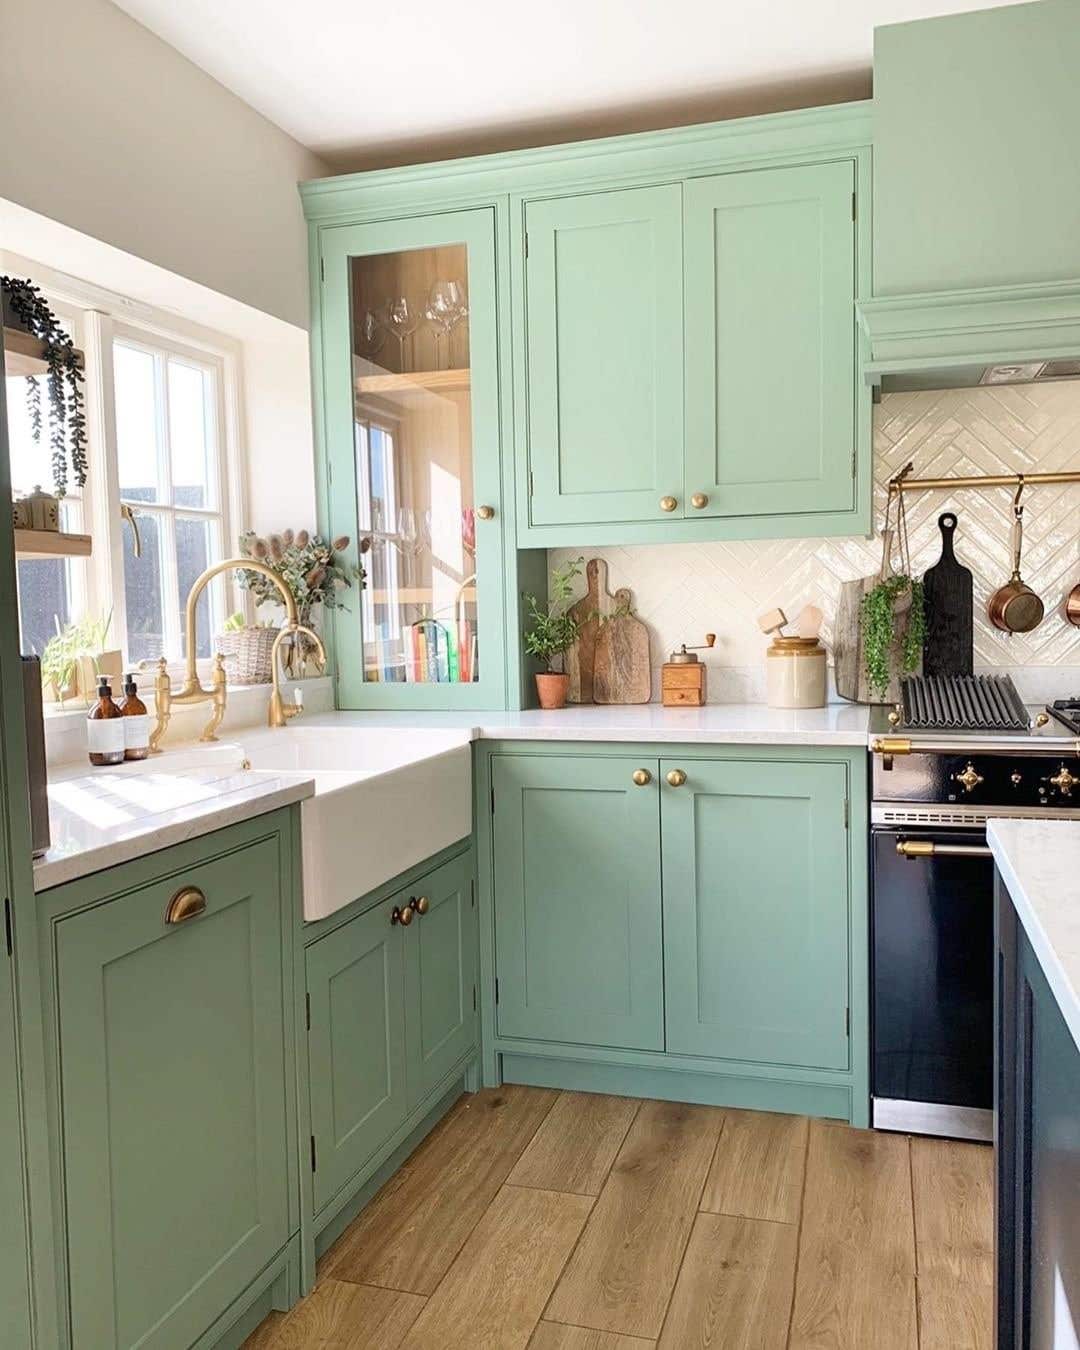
946,329
671,154
711,529
675,1085
275,1289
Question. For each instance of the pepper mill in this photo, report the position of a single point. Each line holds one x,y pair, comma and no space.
682,676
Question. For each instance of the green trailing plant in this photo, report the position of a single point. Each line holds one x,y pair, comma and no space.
880,630
63,378
551,629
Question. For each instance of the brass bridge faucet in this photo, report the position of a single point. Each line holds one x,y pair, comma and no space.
193,691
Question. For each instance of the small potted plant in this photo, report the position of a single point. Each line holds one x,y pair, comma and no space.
550,632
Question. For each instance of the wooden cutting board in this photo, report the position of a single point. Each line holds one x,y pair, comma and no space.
622,670
947,594
580,658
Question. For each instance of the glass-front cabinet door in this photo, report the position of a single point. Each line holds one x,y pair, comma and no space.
412,432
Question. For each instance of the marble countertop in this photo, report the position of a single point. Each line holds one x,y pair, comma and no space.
840,724
1039,861
109,816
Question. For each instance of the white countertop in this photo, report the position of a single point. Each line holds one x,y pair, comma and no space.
109,816
1039,861
840,724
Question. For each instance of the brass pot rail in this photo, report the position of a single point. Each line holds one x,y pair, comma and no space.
1009,480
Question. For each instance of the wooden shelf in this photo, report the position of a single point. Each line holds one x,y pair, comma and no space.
430,381
24,354
51,544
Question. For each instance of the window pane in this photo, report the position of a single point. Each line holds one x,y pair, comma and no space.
144,591
136,424
44,601
196,548
190,403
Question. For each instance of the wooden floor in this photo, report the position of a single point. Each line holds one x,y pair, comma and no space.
565,1221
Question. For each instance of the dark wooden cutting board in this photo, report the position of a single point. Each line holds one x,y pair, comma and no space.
947,593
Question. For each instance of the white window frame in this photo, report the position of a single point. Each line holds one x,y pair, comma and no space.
100,316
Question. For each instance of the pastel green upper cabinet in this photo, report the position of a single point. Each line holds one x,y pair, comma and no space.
356,1043
603,292
14,1235
577,901
770,341
174,1130
411,427
756,911
440,975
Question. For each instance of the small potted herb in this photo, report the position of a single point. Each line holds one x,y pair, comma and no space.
550,632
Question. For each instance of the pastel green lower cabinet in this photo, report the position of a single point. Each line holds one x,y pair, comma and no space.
173,1105
578,952
770,341
756,947
14,1274
356,1043
392,1012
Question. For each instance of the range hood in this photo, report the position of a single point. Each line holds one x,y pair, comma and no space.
963,338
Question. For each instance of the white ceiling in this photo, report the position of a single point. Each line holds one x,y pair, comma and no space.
362,83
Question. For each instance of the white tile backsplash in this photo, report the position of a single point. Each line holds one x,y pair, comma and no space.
685,590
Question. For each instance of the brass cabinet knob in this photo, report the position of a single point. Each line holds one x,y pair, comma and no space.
668,503
187,903
699,501
676,778
642,777
969,779
403,916
486,512
420,903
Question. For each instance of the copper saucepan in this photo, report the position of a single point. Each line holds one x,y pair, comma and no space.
1072,606
1014,607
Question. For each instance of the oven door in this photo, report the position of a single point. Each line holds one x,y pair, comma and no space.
932,975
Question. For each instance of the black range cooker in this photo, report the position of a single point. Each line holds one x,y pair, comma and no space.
933,788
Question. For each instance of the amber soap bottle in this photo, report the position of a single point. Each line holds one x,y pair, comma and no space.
136,722
105,729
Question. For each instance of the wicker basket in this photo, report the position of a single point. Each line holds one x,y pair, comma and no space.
247,654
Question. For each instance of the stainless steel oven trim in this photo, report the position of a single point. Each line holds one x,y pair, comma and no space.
905,813
950,1122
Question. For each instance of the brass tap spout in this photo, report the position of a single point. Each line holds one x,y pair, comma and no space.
192,690
280,712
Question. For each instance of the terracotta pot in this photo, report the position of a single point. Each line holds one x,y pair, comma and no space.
552,690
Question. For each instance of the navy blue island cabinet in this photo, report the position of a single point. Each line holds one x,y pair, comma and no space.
1037,1136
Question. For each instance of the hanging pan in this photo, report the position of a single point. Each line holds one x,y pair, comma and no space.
1014,607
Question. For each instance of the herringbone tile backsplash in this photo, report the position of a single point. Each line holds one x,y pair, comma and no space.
685,590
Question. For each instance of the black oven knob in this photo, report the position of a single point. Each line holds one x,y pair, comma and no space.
969,779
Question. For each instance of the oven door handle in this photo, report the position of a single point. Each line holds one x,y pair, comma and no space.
927,848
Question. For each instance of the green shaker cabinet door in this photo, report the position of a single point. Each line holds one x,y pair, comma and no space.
356,1044
756,912
14,1275
175,1138
604,337
440,976
770,341
577,901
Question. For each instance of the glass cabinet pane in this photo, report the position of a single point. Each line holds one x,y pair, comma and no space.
413,443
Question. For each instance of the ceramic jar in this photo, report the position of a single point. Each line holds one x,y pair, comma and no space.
795,673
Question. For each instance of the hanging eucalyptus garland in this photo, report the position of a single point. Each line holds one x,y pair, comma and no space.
63,377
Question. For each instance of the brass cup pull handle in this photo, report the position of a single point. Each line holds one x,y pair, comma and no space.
641,777
486,512
668,503
187,903
420,904
403,916
676,778
699,501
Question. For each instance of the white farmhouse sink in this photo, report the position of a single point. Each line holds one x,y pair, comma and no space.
384,800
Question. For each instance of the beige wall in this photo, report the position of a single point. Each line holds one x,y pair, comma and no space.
107,129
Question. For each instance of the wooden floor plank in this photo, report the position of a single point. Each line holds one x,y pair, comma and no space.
555,1336
623,1271
734,1289
495,1291
262,1338
411,1232
953,1186
856,1274
574,1148
340,1316
758,1169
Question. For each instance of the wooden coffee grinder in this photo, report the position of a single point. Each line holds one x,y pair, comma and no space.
682,680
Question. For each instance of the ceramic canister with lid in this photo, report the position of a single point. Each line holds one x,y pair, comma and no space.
795,673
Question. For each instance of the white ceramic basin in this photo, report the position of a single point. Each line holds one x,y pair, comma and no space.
384,801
